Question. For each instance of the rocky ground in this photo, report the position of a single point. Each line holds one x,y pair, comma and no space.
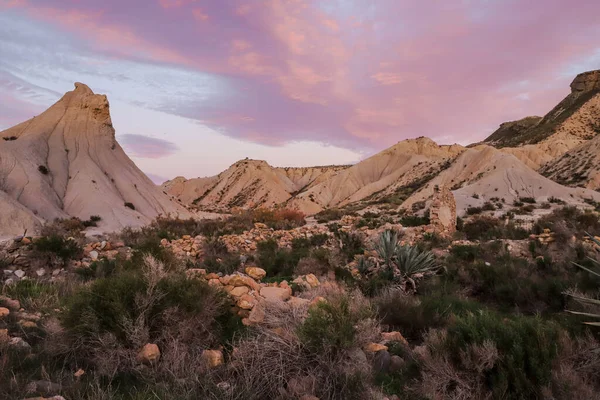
358,307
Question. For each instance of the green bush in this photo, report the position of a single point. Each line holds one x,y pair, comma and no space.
108,304
328,215
331,326
488,228
527,347
64,249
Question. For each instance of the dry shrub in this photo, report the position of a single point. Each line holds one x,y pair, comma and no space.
442,380
575,373
108,322
277,362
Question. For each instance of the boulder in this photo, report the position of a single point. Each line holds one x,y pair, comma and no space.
374,347
239,291
275,293
246,302
212,358
149,354
394,337
256,273
381,361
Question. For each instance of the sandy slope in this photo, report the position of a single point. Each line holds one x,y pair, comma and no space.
398,165
483,172
88,172
247,184
578,167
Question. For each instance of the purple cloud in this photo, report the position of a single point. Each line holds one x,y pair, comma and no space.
146,147
348,73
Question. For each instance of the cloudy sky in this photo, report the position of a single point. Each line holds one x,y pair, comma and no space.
195,85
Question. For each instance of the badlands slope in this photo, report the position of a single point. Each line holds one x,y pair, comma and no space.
400,165
66,162
576,119
483,172
579,166
247,184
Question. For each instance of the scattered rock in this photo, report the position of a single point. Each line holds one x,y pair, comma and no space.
275,293
256,273
396,363
20,273
149,354
19,343
212,358
94,255
4,312
27,324
79,373
381,361
394,337
374,347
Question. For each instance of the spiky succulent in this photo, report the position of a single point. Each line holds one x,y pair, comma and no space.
584,299
411,260
387,245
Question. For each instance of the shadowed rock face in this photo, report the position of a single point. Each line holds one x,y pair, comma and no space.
586,81
66,162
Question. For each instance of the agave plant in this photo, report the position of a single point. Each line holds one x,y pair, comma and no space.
411,260
587,300
387,245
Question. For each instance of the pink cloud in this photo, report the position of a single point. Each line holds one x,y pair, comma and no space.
368,76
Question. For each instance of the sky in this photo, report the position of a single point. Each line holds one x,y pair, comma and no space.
195,85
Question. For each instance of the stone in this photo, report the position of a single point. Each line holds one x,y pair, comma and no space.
19,343
212,275
27,324
239,291
442,212
212,358
381,361
149,354
20,273
374,347
4,312
257,315
40,272
312,280
298,302
394,337
246,302
25,240
94,255
275,293
79,373
256,273
396,363
241,280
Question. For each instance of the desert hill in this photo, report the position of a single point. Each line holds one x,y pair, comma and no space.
537,141
66,162
483,172
247,184
579,166
405,164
